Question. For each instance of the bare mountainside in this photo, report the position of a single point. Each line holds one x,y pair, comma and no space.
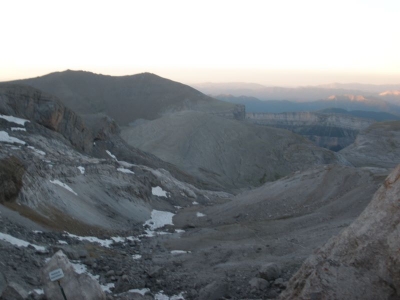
377,145
128,98
231,153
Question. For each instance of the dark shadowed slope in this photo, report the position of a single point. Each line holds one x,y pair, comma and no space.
127,98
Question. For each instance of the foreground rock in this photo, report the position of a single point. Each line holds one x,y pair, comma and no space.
363,262
76,286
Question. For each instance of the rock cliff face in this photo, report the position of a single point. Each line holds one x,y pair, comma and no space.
362,262
46,110
332,131
376,146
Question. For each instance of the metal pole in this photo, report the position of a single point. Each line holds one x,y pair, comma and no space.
62,290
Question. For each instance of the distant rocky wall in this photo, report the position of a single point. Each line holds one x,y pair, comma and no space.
332,131
237,113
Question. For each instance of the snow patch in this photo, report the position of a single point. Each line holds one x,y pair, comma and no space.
4,137
91,239
61,242
18,129
15,120
37,151
177,252
195,203
38,291
58,182
139,291
81,169
159,219
20,243
126,171
200,215
112,155
126,164
158,191
107,287
179,231
161,296
136,256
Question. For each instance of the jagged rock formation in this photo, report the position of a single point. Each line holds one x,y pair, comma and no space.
127,98
362,262
376,146
232,153
332,131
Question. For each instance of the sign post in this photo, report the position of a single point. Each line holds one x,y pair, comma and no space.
56,275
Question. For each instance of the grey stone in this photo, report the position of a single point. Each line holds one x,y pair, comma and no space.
213,291
259,283
3,282
76,286
270,271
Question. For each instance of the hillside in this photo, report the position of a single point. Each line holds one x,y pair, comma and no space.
127,98
231,153
376,146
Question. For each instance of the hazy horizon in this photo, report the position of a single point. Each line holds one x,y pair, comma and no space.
285,43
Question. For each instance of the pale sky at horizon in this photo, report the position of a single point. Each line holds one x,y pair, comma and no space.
285,42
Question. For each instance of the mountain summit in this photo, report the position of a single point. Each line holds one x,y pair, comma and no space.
128,98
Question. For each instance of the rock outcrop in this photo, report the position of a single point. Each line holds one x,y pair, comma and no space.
46,110
332,131
363,262
76,286
11,172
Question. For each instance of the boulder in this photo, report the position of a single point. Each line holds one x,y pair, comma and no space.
270,271
259,283
76,286
363,261
213,291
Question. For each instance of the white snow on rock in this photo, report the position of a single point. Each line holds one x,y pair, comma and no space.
139,291
58,182
37,151
200,215
177,252
107,287
78,267
38,291
15,120
161,296
91,239
127,171
158,191
179,230
195,203
81,169
136,256
125,164
18,129
4,137
61,242
20,243
118,239
159,219
112,155
37,231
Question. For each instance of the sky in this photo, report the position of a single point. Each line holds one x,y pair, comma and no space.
285,42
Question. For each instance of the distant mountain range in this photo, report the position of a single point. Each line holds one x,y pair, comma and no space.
390,93
374,108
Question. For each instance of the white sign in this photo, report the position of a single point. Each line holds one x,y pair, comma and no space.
56,274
